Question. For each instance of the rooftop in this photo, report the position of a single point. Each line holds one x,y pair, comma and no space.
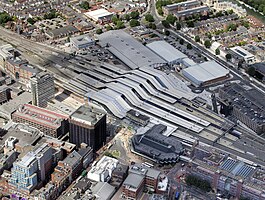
138,115
81,39
41,115
133,181
166,51
67,30
72,159
248,100
88,115
103,190
242,52
192,11
97,14
206,71
128,49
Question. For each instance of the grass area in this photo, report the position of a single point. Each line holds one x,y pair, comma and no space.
116,153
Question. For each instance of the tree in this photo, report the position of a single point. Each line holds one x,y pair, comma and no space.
189,46
165,24
217,51
197,38
134,14
152,26
207,44
197,182
167,33
228,56
114,19
30,20
84,5
109,28
149,17
50,15
4,17
178,26
171,19
190,23
160,11
230,12
181,41
134,23
119,25
251,71
127,17
99,31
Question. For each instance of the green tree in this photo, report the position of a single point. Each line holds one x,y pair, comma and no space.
190,23
160,11
127,17
84,5
30,20
99,31
251,71
217,51
171,19
152,26
134,14
207,44
178,26
197,38
189,46
119,25
134,22
167,33
166,24
109,28
149,17
51,14
115,19
181,41
4,17
228,56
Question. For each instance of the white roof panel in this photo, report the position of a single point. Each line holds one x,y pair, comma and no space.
166,51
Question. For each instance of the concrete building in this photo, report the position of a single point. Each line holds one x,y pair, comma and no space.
166,51
133,186
81,41
103,191
184,14
240,53
205,73
100,15
130,51
88,125
102,171
244,103
157,147
5,94
6,51
48,122
42,88
31,170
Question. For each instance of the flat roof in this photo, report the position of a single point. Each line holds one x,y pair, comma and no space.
133,180
81,39
166,51
242,52
130,51
205,71
103,190
87,115
192,10
97,14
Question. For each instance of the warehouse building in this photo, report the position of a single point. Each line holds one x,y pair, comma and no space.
240,53
205,73
100,15
130,51
167,52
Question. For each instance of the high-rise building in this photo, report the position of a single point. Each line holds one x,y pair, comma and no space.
42,87
88,125
31,170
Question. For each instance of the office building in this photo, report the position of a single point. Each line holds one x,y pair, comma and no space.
133,186
42,88
244,103
48,122
241,54
5,94
102,171
31,170
88,125
172,8
81,41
